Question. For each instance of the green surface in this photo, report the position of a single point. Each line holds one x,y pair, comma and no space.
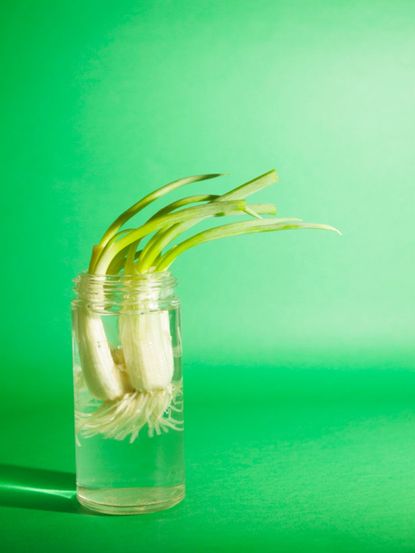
325,464
299,351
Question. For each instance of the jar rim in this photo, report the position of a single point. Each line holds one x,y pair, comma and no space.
94,288
156,276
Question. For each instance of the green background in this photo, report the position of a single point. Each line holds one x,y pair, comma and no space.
298,346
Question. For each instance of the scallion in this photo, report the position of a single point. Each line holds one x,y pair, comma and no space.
135,383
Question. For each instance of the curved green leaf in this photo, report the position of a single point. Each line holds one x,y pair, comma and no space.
138,206
114,246
165,236
235,229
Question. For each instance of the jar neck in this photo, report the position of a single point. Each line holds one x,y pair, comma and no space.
123,292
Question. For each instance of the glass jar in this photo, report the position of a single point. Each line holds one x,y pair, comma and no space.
128,393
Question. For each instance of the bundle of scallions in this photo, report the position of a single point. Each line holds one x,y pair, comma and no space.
133,387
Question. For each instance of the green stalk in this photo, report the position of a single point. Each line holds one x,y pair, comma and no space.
251,187
164,237
236,229
185,201
118,263
138,206
115,246
131,255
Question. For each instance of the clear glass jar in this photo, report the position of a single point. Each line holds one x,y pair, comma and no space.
128,393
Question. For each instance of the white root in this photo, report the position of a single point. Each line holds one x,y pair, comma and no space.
126,416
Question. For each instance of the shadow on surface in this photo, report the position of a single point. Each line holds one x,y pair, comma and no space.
30,488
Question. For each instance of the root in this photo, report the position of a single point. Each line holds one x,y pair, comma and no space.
126,416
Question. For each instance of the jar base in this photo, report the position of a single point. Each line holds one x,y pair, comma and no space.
130,501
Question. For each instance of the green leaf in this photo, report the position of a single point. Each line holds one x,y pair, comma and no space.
115,245
185,201
251,187
138,206
236,229
131,255
165,236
